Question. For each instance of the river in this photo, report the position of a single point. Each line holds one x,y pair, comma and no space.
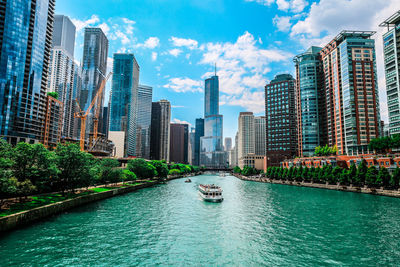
256,224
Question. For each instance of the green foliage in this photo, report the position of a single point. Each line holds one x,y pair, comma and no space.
361,174
142,168
383,144
174,172
249,171
53,94
237,170
109,171
335,176
371,175
383,178
326,150
344,177
395,178
25,188
161,168
127,175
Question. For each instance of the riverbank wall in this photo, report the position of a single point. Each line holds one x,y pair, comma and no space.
354,189
27,217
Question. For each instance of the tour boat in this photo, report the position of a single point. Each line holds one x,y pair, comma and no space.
210,193
188,180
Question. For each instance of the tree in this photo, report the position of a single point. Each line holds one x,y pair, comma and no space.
371,175
335,177
352,173
8,186
25,188
395,178
127,175
142,168
174,172
75,167
344,177
361,173
161,168
249,171
299,174
383,178
53,94
109,172
237,170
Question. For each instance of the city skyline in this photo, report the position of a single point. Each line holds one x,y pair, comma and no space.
284,30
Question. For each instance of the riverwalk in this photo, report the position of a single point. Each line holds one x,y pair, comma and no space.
349,188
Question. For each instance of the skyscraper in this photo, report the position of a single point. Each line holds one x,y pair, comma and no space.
281,128
124,98
25,44
351,91
259,136
160,130
310,101
179,143
246,134
145,95
391,48
211,144
62,70
198,134
94,67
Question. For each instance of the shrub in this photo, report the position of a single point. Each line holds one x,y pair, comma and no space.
174,172
142,168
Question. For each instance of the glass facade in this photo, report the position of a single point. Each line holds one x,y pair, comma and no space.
145,95
124,95
212,152
310,101
25,43
160,130
198,134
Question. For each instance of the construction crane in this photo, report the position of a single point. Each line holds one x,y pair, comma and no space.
83,114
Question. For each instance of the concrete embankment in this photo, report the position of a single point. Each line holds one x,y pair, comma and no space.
29,216
355,189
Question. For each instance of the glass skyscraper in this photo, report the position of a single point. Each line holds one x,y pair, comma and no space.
94,67
124,95
145,95
25,43
391,53
211,144
160,130
199,132
310,101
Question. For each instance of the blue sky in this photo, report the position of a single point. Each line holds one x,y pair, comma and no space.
177,42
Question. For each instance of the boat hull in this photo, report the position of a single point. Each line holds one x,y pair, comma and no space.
213,200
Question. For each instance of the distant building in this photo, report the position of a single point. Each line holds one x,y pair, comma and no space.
259,136
106,117
26,29
391,48
145,96
192,140
212,152
53,122
281,128
160,130
199,132
246,135
124,93
179,143
94,67
228,144
252,160
62,70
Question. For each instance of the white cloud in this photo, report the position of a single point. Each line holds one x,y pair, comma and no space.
104,27
151,42
81,24
282,23
175,52
154,56
182,42
285,5
128,21
124,38
175,120
183,85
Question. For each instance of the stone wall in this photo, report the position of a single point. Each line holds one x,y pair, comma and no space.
26,217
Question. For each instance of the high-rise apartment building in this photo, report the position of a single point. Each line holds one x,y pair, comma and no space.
144,100
160,130
25,43
124,95
211,144
228,144
94,67
192,140
259,135
391,53
351,91
199,132
62,70
310,101
246,134
179,143
281,124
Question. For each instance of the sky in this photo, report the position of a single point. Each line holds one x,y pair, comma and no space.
178,42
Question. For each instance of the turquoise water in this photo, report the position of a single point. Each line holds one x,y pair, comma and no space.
256,224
